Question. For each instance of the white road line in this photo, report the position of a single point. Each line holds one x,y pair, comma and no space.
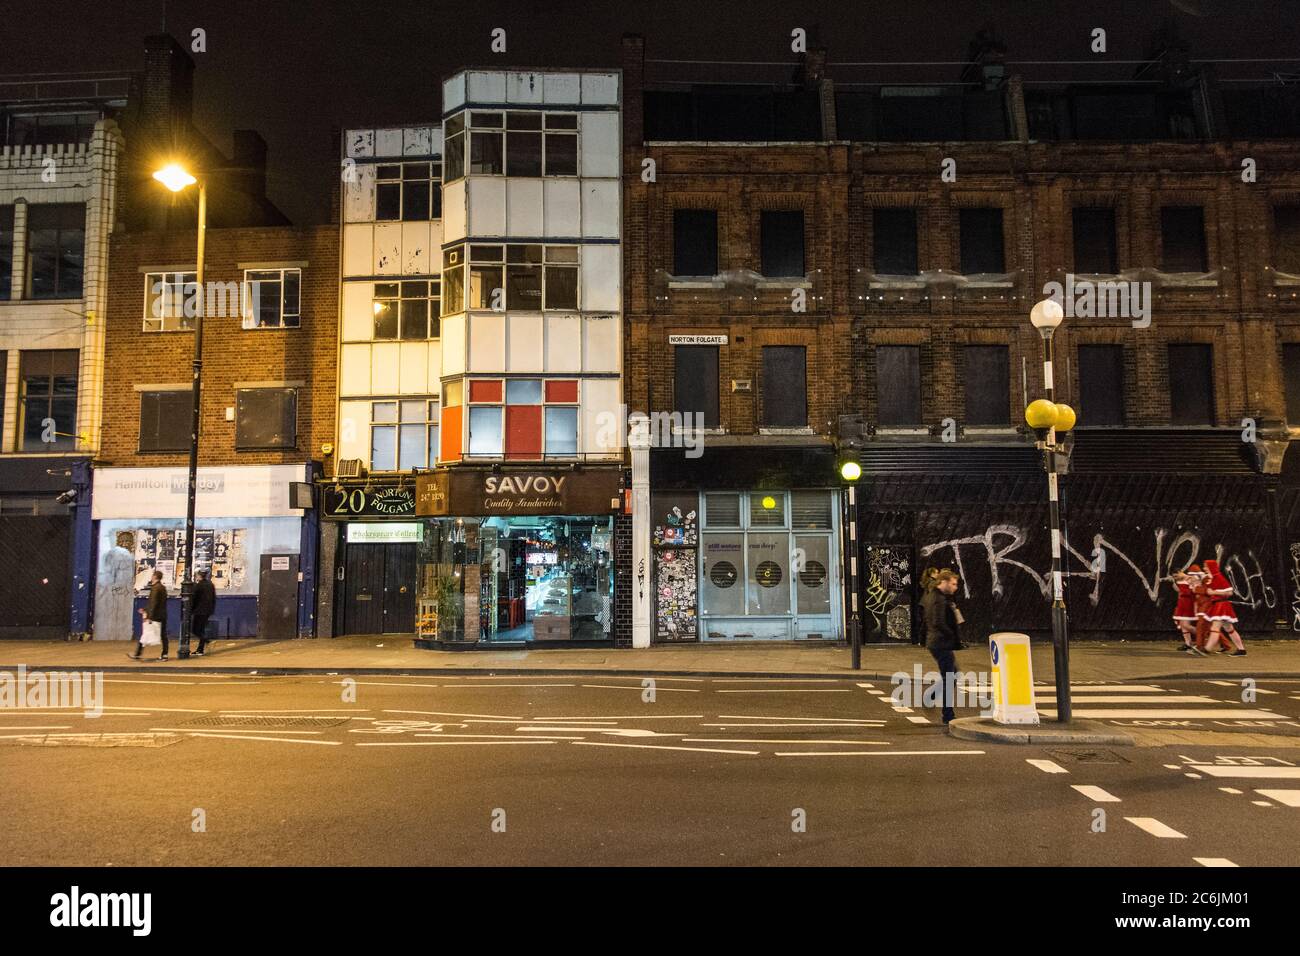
128,711
701,750
1230,790
866,685
504,736
902,710
756,740
120,680
191,730
278,740
801,690
1280,773
677,690
919,720
880,753
772,680
1261,803
494,686
876,693
1156,828
1094,793
438,713
831,723
39,727
1105,688
384,683
1170,699
1194,776
607,719
769,717
1222,714
460,743
250,712
1288,798
1047,766
595,729
1213,861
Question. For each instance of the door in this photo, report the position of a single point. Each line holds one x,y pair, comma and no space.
399,588
363,589
277,597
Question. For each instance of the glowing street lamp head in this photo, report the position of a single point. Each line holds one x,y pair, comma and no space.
850,471
174,177
1065,417
1046,316
1041,414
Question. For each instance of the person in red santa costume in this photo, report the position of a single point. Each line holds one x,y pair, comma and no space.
1185,609
1221,615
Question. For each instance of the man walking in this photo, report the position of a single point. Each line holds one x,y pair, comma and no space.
204,602
154,613
941,636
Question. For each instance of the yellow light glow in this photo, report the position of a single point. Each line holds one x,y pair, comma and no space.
850,471
1041,414
769,502
1065,417
174,177
379,307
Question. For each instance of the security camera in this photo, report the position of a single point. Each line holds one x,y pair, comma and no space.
68,497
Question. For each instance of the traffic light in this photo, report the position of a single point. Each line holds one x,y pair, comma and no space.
850,440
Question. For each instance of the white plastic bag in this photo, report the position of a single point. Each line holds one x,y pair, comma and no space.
150,633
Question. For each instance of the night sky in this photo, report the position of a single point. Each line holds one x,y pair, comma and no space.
294,71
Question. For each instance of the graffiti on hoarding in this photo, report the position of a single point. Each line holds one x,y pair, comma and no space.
1295,587
999,542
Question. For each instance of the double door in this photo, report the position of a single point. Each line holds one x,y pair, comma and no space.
379,589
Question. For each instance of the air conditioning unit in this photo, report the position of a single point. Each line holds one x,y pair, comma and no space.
350,468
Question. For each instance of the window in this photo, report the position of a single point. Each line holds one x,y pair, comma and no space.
6,250
1094,241
898,386
695,242
530,418
407,310
453,148
486,143
517,143
166,301
981,241
47,400
1191,385
1101,384
1182,239
266,418
988,385
785,386
894,242
408,191
56,241
524,144
1291,377
166,419
561,144
403,434
531,277
1286,241
272,298
695,382
45,129
782,241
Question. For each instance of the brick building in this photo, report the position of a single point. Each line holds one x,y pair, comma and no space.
933,219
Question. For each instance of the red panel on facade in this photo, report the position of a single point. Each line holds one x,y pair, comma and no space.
485,390
523,431
449,433
562,390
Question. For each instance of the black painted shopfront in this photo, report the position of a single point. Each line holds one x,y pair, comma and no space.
375,565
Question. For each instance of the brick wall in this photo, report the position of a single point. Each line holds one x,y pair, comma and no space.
623,580
231,354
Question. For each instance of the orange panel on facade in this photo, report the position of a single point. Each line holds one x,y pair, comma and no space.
523,431
449,433
562,390
485,390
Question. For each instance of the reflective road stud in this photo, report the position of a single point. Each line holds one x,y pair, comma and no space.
1013,679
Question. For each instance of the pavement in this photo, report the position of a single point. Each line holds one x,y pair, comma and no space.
395,654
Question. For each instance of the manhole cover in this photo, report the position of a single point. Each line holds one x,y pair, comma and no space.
1088,756
255,720
95,740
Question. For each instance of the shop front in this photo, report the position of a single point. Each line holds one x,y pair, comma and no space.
750,553
376,541
512,555
259,550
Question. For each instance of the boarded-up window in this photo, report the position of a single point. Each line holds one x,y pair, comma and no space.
695,381
988,385
266,418
981,241
165,420
1286,239
898,385
1094,241
782,243
6,249
893,239
1291,371
1182,239
1191,385
785,386
1101,385
695,242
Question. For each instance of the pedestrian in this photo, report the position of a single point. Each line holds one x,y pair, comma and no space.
154,613
1185,609
1221,615
941,636
202,605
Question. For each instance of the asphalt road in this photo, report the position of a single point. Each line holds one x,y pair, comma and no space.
449,770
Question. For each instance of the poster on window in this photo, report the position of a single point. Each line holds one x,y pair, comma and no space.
163,549
675,595
676,524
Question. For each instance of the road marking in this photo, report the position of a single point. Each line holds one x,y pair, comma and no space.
38,727
880,753
279,740
1095,793
127,711
1230,790
771,680
1047,766
383,683
866,685
1213,861
679,690
701,750
919,720
1170,699
1288,798
782,690
1194,776
733,740
120,680
191,730
1156,828
460,743
877,693
1105,688
902,710
1222,714
439,713
769,717
593,729
1287,773
833,723
1261,803
250,712
504,736
610,720
483,686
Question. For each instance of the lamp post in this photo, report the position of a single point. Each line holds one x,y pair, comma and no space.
175,178
1046,417
850,472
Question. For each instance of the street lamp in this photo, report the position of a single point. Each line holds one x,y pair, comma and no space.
1047,417
850,472
175,177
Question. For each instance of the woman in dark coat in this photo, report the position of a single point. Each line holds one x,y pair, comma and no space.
939,619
